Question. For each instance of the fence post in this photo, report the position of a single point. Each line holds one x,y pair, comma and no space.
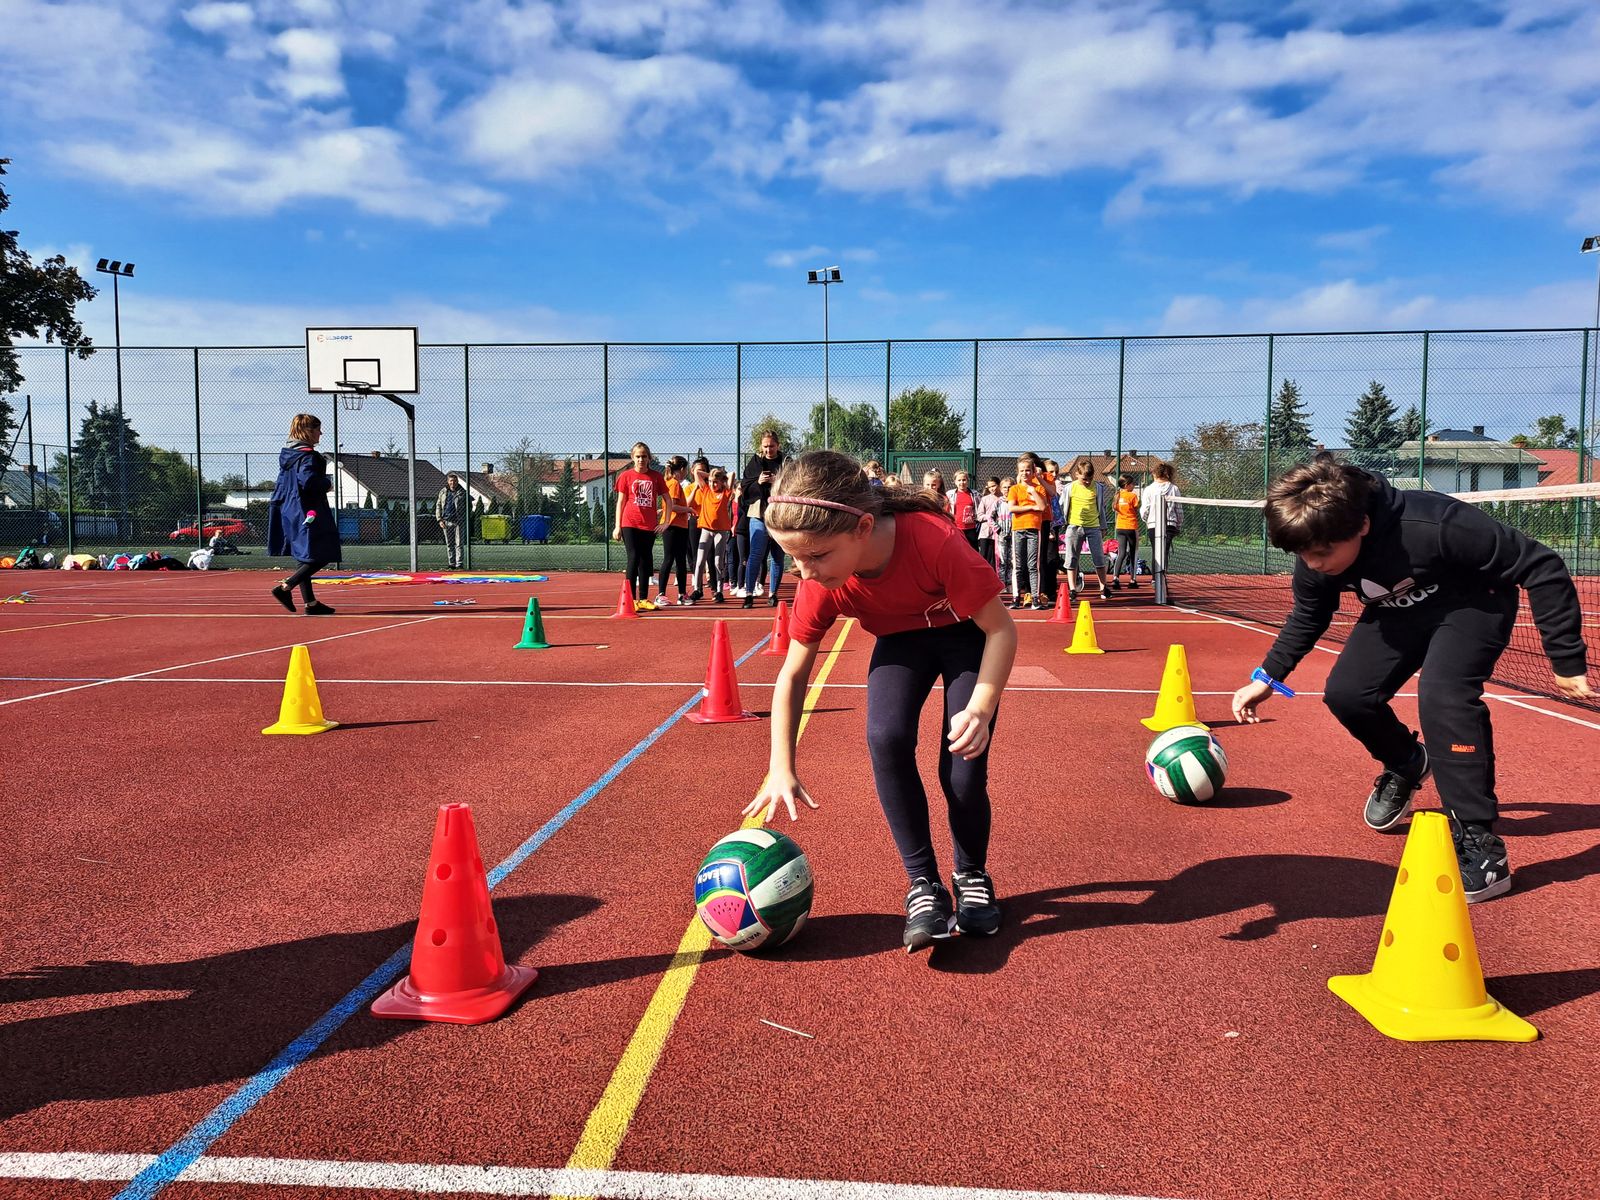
199,477
973,467
1122,379
72,523
605,452
1583,414
888,383
1266,450
738,403
466,448
1422,419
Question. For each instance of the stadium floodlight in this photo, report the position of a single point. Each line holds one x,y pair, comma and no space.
825,276
119,270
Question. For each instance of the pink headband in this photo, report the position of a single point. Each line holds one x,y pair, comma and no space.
844,508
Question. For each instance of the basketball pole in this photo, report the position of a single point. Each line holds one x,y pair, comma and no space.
411,468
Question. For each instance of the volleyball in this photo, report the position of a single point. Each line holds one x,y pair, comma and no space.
1186,764
753,889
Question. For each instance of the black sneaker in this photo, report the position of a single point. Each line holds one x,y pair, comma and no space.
1485,870
928,914
1392,794
1133,583
976,908
282,596
1116,585
1104,593
318,609
748,602
716,597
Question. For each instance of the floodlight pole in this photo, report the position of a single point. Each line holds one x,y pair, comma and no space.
1591,245
825,276
117,269
411,468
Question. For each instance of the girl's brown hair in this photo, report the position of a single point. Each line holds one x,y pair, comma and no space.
1163,472
1085,470
1316,504
1124,482
839,479
303,426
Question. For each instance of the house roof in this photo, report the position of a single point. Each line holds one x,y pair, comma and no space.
386,477
1471,452
14,487
1458,435
585,470
1560,467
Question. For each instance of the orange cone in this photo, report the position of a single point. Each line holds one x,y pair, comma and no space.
779,643
722,684
1063,613
458,972
625,603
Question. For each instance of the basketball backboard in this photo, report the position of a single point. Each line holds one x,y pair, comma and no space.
384,358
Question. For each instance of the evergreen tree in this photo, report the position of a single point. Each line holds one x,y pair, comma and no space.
570,500
96,470
1412,426
1289,432
1374,424
8,422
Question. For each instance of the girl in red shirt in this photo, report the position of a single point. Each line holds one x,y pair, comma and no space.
895,561
962,506
641,494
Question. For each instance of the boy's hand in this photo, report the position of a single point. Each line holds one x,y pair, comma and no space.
1247,699
1575,687
969,733
785,788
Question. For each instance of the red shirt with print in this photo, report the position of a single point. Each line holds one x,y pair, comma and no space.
933,578
643,489
964,508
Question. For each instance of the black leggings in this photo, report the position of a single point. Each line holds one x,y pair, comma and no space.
302,579
1455,641
1127,553
905,666
675,553
641,547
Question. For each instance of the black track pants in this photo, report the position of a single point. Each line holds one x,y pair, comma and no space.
905,666
641,547
1455,644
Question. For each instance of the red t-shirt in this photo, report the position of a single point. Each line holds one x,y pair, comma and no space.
933,578
643,489
964,508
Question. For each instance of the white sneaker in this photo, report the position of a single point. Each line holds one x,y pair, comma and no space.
738,593
760,591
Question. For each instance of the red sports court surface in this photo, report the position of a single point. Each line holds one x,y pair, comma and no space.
186,898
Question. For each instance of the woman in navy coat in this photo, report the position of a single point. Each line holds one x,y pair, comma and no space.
302,525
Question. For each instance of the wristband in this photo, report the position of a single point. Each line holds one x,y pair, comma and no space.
1259,675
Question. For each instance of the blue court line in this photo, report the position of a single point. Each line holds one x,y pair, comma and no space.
183,1153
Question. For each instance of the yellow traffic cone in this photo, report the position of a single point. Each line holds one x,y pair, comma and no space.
1175,704
1426,984
301,710
1083,633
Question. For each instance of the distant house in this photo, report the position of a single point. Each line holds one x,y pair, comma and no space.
377,479
1560,467
20,490
1465,460
591,474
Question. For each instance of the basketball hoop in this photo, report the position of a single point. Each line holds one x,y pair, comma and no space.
351,394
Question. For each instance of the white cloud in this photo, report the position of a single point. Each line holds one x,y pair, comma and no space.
312,65
787,259
220,17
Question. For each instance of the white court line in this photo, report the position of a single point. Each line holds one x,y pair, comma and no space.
417,1178
1544,711
142,675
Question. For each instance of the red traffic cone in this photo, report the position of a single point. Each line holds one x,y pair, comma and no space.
1063,612
722,684
625,603
779,642
458,971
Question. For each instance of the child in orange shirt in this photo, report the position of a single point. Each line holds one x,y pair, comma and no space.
714,507
1127,510
1029,506
675,535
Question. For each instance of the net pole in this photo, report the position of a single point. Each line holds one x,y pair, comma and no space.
466,449
973,465
199,484
605,452
1583,413
1422,420
1159,536
411,481
888,384
72,523
337,405
738,402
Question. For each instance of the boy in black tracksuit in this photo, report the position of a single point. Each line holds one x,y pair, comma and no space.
1438,579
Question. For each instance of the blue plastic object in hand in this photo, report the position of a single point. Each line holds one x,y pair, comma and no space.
1259,675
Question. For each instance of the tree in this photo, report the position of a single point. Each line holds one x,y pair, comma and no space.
1289,425
856,430
1223,459
8,422
1375,423
35,298
784,430
96,474
1553,433
921,419
1412,427
531,468
167,495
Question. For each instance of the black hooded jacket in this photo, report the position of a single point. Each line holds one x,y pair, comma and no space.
1427,549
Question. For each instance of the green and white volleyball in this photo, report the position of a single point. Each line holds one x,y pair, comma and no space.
753,889
1186,764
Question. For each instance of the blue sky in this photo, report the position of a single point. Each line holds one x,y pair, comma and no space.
630,170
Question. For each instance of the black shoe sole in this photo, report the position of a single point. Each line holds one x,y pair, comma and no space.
1498,888
921,939
976,930
1398,817
283,598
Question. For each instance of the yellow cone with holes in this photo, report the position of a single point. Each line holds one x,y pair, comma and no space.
301,710
1083,640
1175,704
1426,984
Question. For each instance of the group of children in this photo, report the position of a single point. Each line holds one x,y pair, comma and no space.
1439,581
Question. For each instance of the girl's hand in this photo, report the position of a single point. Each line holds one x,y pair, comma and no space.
969,733
777,788
1247,699
616,533
1575,687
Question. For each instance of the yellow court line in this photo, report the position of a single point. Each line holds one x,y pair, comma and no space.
608,1123
63,624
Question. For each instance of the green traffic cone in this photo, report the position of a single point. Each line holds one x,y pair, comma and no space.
533,629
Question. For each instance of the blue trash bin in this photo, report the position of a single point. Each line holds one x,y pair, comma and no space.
536,528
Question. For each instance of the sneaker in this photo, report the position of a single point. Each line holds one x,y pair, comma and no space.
282,596
318,609
738,593
760,591
1039,605
1392,794
774,600
1072,595
976,908
1133,583
1105,594
695,597
1485,871
1027,599
643,606
716,598
1015,604
748,602
1116,585
928,914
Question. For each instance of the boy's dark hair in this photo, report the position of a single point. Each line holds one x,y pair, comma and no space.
1314,505
677,462
829,475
